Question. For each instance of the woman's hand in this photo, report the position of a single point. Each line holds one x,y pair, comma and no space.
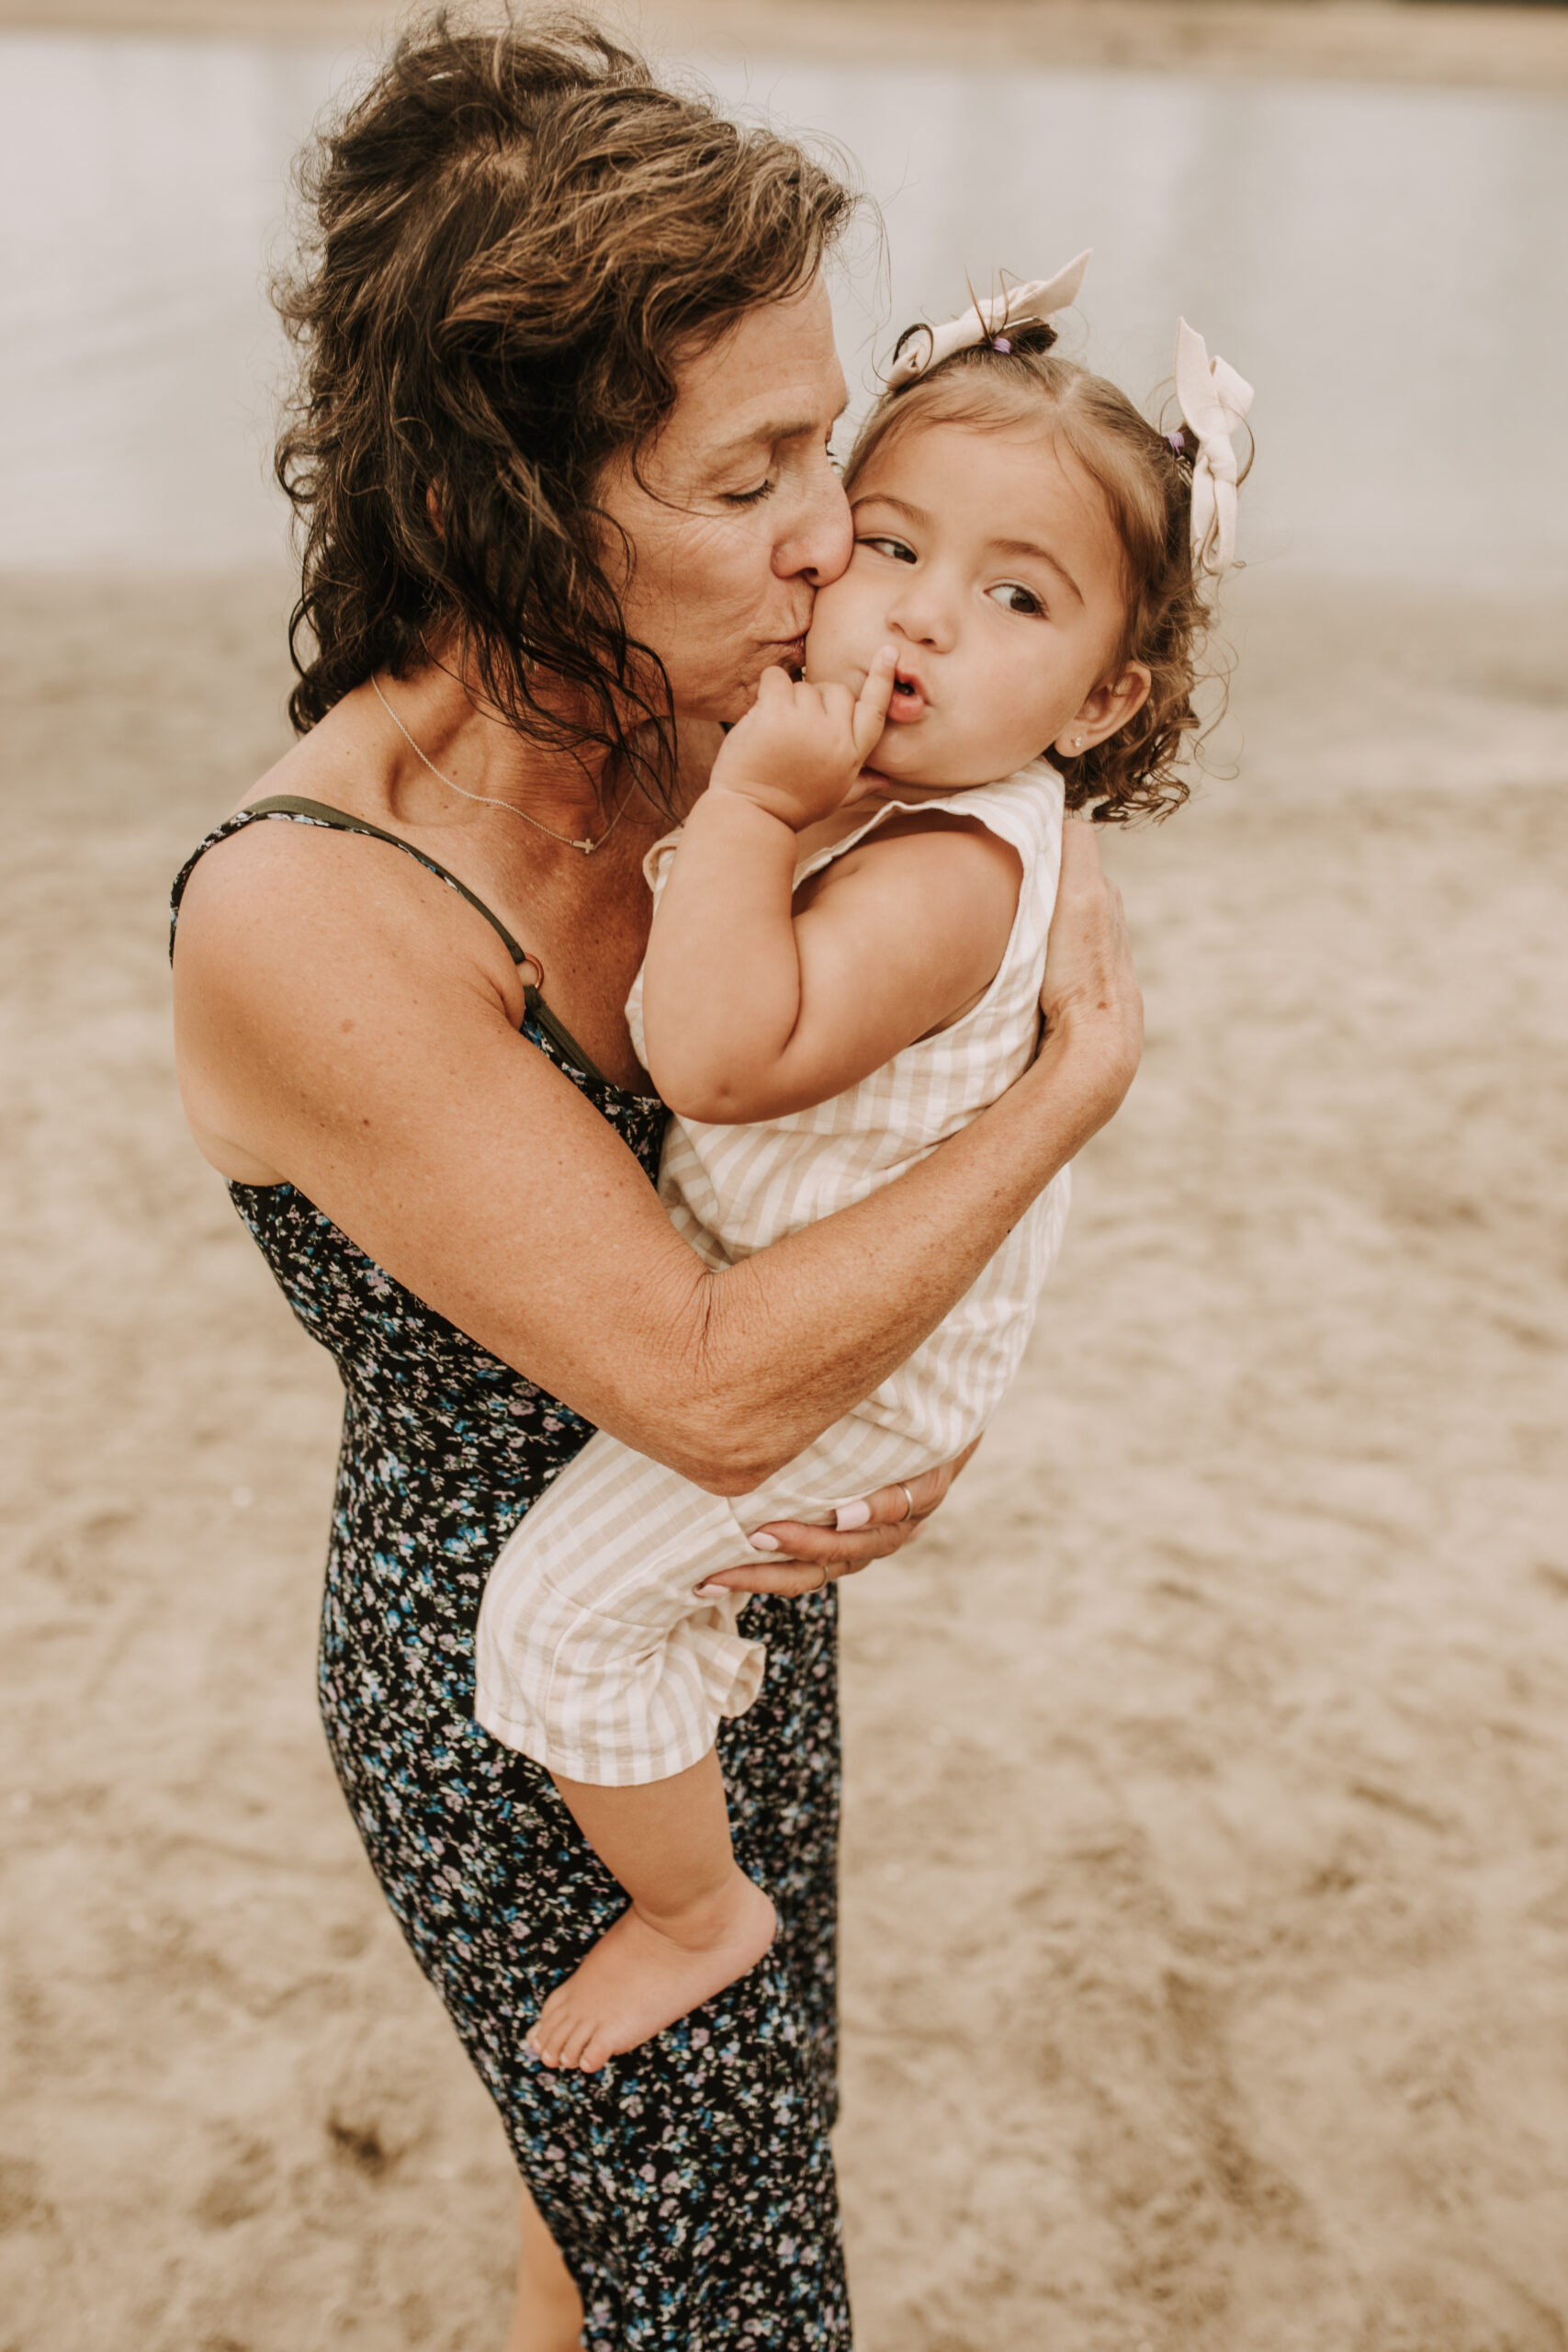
810,1557
1091,987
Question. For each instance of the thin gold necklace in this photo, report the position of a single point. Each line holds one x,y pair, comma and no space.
487,800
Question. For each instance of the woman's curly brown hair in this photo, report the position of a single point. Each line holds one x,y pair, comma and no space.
1148,484
516,237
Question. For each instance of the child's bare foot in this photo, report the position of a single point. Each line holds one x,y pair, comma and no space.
638,1978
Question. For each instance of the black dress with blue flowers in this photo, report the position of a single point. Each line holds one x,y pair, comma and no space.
689,2183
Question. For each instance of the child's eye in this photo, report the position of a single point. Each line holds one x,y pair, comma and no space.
896,548
1014,599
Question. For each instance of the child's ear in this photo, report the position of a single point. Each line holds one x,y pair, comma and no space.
1105,708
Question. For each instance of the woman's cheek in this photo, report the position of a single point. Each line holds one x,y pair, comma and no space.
830,647
723,688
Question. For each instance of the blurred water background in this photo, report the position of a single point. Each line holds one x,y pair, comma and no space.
1379,260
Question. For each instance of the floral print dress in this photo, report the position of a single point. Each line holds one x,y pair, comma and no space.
688,2183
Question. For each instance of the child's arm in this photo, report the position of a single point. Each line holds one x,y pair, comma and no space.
755,1005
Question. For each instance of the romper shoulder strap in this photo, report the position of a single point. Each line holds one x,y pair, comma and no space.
320,812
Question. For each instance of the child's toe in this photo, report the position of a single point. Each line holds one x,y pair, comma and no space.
545,2036
574,2043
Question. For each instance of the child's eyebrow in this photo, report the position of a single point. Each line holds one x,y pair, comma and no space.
900,505
1031,550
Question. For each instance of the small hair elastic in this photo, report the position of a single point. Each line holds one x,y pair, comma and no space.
921,348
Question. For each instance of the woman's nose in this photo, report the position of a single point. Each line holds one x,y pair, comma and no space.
820,540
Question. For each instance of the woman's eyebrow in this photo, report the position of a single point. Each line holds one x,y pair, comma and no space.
768,435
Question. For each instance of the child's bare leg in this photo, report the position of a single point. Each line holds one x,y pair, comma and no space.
696,1921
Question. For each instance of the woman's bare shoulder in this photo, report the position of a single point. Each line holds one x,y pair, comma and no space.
281,896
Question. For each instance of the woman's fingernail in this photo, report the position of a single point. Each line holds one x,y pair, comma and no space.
762,1542
851,1515
713,1592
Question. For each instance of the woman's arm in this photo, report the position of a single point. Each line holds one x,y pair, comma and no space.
368,1057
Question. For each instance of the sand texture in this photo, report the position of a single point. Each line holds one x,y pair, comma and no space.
1206,1951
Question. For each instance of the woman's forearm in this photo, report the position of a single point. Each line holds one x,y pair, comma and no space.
795,1337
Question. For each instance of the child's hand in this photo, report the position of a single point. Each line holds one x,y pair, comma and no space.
799,749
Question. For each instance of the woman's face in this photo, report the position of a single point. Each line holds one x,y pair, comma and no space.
739,517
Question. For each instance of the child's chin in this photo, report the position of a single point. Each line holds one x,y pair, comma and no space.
897,754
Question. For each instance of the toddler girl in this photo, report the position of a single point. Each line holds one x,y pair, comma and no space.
845,968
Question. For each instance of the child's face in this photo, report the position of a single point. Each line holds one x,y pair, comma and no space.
991,560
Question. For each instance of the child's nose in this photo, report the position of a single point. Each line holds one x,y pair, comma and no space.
923,612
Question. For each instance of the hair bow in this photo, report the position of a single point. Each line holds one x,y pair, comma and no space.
1214,399
921,348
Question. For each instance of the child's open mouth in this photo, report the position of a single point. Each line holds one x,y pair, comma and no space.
908,699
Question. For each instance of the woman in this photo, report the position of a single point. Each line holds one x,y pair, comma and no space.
561,452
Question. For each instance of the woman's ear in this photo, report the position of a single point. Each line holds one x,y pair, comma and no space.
1105,708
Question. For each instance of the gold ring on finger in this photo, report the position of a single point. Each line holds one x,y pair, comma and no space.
827,1578
908,1500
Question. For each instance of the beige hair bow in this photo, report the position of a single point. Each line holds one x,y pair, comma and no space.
1213,400
921,348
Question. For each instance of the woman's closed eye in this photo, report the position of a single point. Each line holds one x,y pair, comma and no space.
765,488
1013,597
752,497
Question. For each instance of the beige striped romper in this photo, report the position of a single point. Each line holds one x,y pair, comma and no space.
594,1656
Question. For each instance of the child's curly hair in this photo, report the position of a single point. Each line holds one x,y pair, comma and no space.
1147,483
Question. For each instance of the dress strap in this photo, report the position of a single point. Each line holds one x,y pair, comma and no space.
289,804
321,812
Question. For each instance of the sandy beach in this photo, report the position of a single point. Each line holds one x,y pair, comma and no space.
1206,1895
1205,1973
